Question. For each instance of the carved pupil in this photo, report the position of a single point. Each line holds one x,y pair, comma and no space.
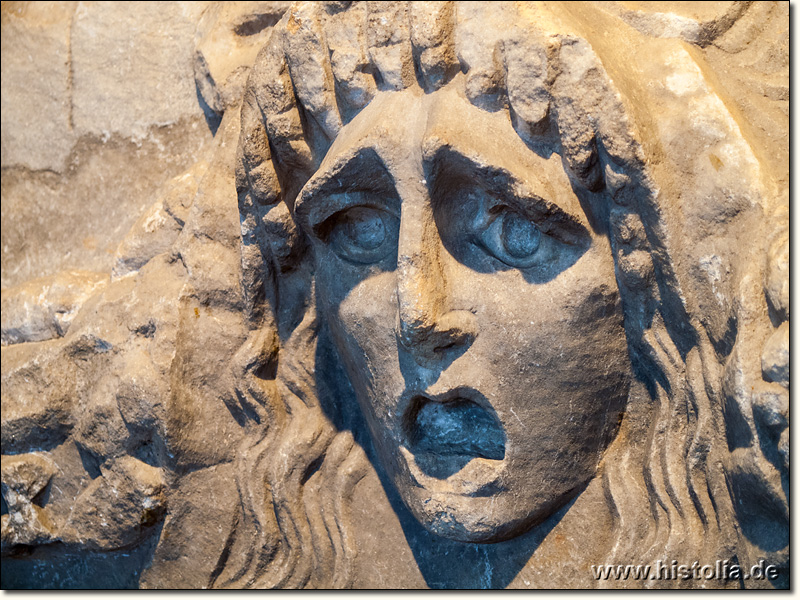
520,236
365,228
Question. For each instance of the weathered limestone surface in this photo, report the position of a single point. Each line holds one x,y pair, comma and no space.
395,294
99,109
36,81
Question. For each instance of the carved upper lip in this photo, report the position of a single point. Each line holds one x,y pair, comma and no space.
461,391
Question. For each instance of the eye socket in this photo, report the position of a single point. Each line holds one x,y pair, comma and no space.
512,239
361,234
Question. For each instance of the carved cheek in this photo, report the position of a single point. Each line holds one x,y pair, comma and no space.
364,327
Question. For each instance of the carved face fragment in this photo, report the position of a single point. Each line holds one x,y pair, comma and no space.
474,307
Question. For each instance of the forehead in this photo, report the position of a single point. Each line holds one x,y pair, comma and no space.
413,133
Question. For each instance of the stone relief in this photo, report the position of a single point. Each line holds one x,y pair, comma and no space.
460,295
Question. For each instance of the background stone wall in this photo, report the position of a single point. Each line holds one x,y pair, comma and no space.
100,107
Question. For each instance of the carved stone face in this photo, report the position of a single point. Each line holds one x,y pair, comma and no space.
475,308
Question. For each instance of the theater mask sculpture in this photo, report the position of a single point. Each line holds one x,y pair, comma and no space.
476,310
513,270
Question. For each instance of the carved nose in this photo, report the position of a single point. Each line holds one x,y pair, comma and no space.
432,341
427,326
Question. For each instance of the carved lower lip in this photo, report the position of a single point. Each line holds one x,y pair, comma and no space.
478,477
444,434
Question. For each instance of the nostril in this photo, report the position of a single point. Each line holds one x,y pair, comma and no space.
440,339
454,339
441,349
458,327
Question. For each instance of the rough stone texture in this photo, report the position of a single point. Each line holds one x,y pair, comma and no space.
226,43
36,83
42,309
99,109
388,294
24,478
117,59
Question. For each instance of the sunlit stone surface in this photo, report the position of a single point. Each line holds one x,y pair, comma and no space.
395,295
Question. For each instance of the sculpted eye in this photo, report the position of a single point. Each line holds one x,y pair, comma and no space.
513,239
362,234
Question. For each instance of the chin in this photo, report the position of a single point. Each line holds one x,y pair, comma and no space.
478,519
480,501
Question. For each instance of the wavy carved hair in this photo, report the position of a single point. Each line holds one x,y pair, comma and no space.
323,64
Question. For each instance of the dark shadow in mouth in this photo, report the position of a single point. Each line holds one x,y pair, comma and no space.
444,563
445,435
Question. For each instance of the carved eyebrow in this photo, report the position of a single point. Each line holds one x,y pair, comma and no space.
337,186
447,167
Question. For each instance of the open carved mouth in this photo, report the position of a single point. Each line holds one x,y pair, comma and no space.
446,435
